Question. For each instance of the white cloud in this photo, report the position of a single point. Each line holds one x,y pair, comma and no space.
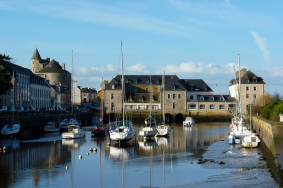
138,68
261,42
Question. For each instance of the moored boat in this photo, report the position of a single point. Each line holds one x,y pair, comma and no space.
189,121
11,129
251,141
51,127
74,132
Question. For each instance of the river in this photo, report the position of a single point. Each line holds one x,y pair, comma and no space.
191,157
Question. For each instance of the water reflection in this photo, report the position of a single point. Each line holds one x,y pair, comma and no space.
124,152
160,161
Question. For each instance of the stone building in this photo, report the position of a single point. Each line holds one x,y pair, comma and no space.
88,95
182,96
50,70
250,89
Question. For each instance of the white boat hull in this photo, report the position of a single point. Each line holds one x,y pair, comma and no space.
250,141
73,135
6,130
148,132
163,130
122,136
188,122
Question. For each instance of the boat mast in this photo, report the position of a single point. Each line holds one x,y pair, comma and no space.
150,98
101,102
122,84
163,106
240,104
72,83
13,80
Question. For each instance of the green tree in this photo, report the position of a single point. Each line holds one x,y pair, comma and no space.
5,74
276,97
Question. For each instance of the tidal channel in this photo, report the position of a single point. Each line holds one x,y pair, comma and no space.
199,156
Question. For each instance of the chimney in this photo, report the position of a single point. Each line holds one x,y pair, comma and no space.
63,66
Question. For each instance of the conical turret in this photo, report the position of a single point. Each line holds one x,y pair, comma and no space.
36,55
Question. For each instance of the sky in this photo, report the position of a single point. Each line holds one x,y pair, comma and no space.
197,39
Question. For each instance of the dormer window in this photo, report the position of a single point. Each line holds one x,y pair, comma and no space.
191,88
127,80
201,98
205,89
136,81
173,87
112,86
157,81
211,98
221,98
247,81
147,81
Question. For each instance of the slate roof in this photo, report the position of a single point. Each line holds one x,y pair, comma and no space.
247,75
195,85
170,81
52,67
36,55
20,70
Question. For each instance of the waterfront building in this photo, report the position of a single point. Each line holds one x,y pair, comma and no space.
88,95
182,96
40,92
252,87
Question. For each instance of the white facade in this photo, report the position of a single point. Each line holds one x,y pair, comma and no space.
22,90
40,96
76,94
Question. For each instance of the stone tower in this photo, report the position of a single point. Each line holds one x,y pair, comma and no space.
36,62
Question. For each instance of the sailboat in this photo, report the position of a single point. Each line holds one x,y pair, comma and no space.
163,129
124,130
74,130
99,130
149,130
15,127
239,127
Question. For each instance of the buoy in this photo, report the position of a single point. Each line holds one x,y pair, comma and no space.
94,149
67,167
87,153
90,149
80,156
4,148
108,144
231,138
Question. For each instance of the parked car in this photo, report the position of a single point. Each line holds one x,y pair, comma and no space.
31,109
3,109
62,109
20,110
26,110
11,110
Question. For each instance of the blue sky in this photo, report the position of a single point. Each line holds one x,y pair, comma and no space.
190,39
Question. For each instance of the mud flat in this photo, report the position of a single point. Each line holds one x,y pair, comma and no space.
249,169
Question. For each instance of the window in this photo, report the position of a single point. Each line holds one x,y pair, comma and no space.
141,106
128,107
141,99
201,98
169,96
248,107
112,86
247,88
174,105
192,106
136,81
205,88
254,88
127,80
147,107
112,96
222,98
202,106
212,106
156,89
247,96
146,89
135,90
191,88
112,106
147,81
254,96
179,96
221,106
157,81
174,96
134,107
247,80
173,87
154,107
191,97
211,98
